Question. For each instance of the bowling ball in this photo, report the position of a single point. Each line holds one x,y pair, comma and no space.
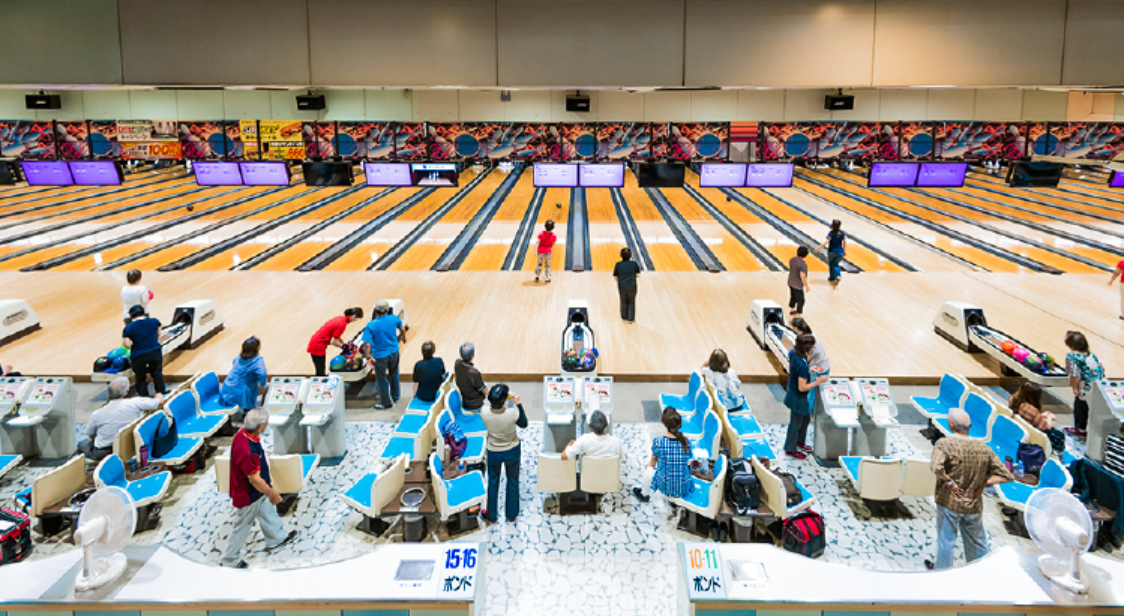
1047,359
191,208
339,363
1033,362
150,296
1020,354
558,205
1007,347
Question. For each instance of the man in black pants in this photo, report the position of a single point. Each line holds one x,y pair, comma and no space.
797,282
626,272
146,355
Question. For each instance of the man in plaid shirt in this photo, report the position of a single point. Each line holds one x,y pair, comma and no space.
964,466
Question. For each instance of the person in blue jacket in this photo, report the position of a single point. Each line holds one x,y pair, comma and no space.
246,376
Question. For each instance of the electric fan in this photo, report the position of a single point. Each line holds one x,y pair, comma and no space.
105,525
1060,525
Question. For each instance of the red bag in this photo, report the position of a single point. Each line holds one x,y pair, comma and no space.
804,534
15,536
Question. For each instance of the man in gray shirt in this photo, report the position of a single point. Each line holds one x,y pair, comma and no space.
106,422
797,282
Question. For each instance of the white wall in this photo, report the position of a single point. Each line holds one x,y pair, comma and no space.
463,105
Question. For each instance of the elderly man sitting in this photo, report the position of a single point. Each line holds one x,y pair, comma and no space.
963,467
119,412
595,444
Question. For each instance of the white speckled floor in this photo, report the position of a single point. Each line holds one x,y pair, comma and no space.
620,561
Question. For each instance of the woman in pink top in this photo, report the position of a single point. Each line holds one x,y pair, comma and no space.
545,251
1118,274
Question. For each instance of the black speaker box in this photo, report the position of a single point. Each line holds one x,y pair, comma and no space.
834,102
44,101
578,104
311,103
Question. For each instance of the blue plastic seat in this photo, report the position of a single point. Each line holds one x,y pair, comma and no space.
705,497
473,449
399,445
683,403
1053,475
469,423
1005,438
188,420
206,389
744,425
411,424
850,465
711,436
951,391
420,406
693,424
185,446
759,447
456,495
980,411
7,463
111,472
361,491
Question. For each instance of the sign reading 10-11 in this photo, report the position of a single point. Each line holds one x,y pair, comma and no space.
702,566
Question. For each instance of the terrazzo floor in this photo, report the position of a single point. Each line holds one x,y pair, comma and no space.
619,561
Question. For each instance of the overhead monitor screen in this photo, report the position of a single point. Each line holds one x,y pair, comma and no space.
96,172
608,175
433,174
554,175
387,174
948,175
660,175
1023,174
217,174
47,173
274,173
888,175
328,174
769,175
718,175
1117,180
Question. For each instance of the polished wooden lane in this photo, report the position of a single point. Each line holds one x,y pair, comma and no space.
1098,199
668,254
556,207
971,254
735,256
874,324
606,236
492,246
431,245
17,197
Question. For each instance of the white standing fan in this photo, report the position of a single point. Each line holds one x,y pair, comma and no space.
1060,525
105,525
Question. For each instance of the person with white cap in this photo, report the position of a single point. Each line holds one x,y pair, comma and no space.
380,347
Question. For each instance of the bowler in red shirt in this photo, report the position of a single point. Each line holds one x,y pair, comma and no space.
330,334
545,251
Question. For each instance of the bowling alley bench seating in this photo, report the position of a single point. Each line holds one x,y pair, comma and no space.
739,431
578,491
880,482
7,463
289,475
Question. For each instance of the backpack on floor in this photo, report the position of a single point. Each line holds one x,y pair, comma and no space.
15,536
1032,457
742,491
791,490
804,534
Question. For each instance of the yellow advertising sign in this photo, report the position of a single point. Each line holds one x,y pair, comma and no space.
248,131
281,139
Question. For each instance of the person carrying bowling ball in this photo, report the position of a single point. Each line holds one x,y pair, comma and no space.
796,396
330,334
545,251
1083,369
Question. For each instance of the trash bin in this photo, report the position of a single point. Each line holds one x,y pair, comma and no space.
742,528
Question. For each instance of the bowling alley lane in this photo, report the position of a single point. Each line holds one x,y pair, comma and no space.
263,208
665,249
919,252
371,248
493,245
296,255
734,255
235,255
86,234
1015,246
556,207
23,197
433,243
1073,195
606,236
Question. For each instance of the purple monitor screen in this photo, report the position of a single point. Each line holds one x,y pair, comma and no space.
47,173
547,175
387,174
217,174
715,175
950,175
609,175
768,175
893,174
95,172
1117,180
265,174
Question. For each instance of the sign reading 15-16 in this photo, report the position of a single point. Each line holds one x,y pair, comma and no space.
458,576
702,565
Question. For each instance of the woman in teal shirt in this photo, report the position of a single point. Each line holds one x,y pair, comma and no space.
246,376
